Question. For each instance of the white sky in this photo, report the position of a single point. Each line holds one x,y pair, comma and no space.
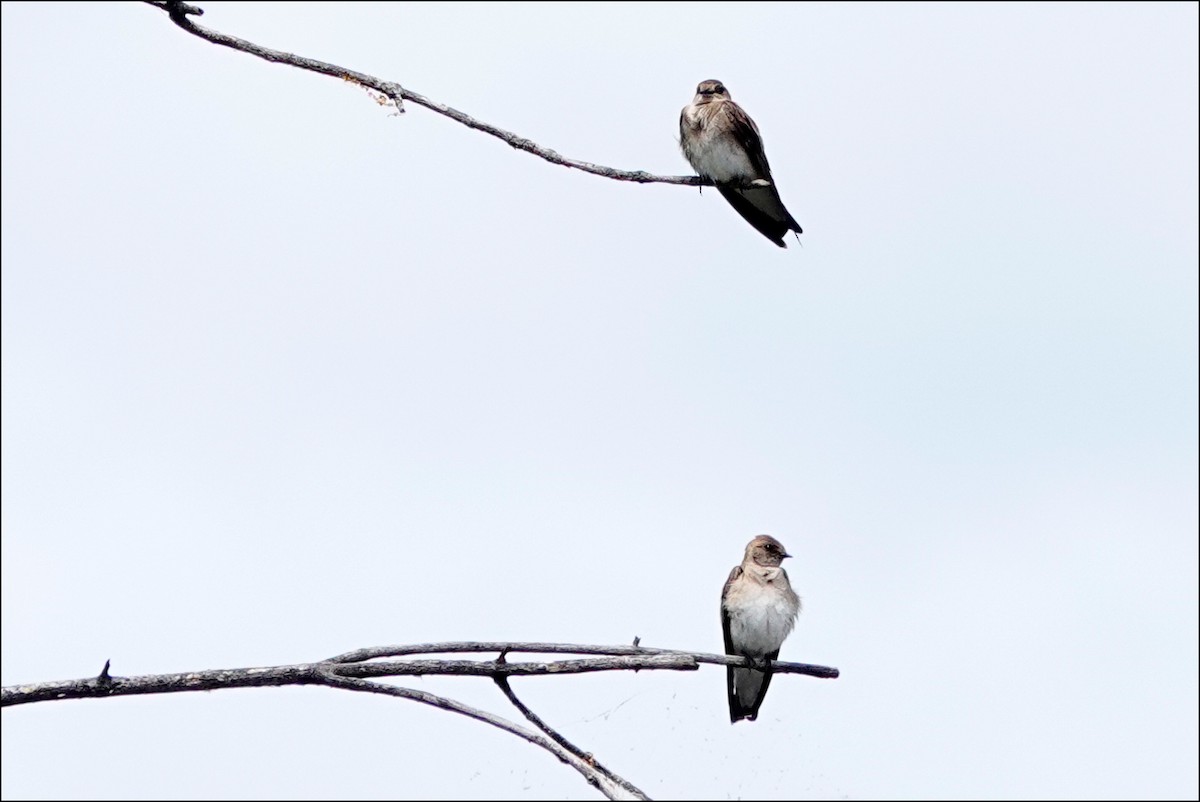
284,376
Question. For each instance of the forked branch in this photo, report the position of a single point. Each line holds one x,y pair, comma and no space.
356,670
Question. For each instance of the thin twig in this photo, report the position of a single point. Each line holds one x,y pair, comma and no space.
459,647
105,678
610,786
179,14
558,738
489,668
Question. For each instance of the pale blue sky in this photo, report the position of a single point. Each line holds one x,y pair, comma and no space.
284,376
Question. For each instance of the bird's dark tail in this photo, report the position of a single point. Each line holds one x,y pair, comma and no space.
762,208
747,688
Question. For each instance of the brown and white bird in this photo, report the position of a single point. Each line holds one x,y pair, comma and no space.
722,143
758,610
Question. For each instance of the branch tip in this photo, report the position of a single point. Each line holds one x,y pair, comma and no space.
176,9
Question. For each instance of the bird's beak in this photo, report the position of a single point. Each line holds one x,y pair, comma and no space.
786,555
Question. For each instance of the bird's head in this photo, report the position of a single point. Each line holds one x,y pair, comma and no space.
708,91
766,551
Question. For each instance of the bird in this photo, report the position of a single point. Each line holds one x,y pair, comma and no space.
758,610
723,144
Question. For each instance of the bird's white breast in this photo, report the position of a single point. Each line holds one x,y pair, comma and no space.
712,151
760,617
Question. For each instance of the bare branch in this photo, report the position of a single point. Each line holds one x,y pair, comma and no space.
175,8
459,647
612,786
490,668
558,738
308,674
100,688
179,13
355,670
678,662
355,665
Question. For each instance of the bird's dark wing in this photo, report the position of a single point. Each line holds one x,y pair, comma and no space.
761,207
733,575
747,135
736,711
